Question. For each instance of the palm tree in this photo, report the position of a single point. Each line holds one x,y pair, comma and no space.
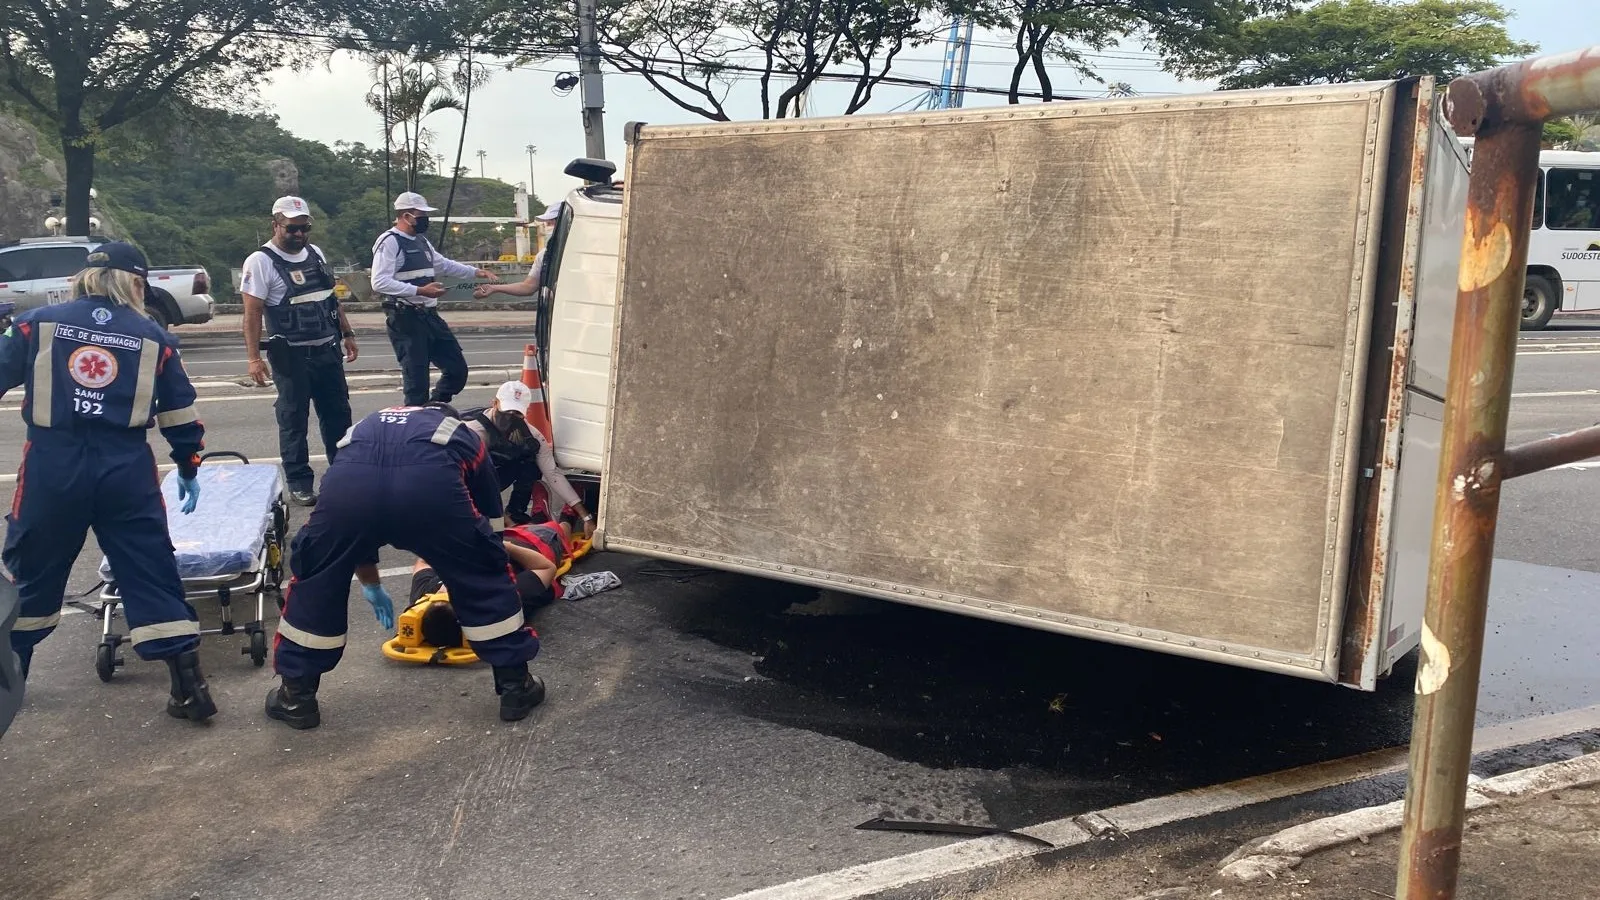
408,91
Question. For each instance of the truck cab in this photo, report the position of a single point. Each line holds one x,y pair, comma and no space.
578,311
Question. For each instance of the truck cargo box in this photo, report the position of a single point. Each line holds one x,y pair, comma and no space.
1163,372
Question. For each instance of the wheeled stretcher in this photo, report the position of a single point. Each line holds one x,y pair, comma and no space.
231,546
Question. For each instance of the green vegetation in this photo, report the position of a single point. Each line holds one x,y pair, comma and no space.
197,188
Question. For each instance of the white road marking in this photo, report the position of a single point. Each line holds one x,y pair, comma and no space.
1530,395
273,396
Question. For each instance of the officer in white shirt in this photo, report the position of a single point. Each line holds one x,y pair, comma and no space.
288,287
404,271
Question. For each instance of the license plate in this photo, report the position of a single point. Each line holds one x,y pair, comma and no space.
58,295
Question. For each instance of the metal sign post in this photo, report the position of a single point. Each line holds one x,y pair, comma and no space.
1504,109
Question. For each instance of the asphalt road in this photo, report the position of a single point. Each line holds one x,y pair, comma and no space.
706,733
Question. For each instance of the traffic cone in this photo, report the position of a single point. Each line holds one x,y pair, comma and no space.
538,414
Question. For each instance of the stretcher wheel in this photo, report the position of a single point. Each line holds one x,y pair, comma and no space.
105,661
258,648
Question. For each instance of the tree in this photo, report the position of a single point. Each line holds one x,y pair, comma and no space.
89,68
1069,31
1360,40
1579,132
408,92
693,51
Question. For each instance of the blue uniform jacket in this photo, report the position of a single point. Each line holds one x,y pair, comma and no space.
92,363
405,436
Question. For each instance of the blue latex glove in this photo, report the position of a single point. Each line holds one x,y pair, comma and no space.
189,493
382,605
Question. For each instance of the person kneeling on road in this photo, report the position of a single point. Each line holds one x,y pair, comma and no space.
417,479
521,455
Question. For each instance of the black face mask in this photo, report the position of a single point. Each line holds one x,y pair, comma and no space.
420,223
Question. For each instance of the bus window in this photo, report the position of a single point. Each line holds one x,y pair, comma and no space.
1538,201
1573,201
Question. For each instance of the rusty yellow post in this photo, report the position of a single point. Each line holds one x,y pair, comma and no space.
1488,316
1504,108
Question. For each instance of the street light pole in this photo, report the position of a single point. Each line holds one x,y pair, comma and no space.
531,151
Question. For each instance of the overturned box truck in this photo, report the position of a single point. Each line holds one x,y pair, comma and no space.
1165,373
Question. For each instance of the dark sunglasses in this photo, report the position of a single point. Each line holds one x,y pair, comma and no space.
297,229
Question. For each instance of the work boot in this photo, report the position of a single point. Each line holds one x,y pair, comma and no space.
303,497
294,703
519,691
191,697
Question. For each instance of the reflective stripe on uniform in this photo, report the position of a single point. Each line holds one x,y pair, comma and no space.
177,417
446,429
313,297
497,525
508,625
44,377
37,623
349,435
409,274
146,633
308,640
145,390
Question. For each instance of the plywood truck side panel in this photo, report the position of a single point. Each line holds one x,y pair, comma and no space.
1087,367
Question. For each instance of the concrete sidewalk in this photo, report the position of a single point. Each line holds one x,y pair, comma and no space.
1531,834
372,323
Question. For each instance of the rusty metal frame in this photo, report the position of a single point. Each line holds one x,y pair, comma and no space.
1504,109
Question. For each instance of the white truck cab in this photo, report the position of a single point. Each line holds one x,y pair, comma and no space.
578,313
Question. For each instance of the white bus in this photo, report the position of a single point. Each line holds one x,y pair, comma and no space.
1564,249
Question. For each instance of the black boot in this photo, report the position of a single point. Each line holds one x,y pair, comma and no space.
295,702
519,691
191,698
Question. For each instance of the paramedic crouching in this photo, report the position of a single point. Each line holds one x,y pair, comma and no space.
404,270
415,478
99,373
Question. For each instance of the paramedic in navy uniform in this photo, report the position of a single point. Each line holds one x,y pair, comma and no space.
287,282
416,478
404,273
99,373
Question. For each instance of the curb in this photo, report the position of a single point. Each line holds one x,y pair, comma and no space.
964,866
1271,857
374,306
475,377
199,331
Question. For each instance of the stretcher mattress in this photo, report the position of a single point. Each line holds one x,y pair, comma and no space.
228,528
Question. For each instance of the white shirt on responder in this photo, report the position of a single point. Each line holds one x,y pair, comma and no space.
386,256
261,278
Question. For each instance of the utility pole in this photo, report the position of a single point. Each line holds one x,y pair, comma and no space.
531,151
482,154
592,91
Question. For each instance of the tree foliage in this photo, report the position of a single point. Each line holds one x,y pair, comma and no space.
1359,40
91,67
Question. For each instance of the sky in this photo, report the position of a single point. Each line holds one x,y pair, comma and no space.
521,107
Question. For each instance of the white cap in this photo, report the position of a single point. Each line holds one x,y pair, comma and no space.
514,396
413,201
550,214
290,207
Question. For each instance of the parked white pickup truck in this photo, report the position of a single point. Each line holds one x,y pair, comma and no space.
37,271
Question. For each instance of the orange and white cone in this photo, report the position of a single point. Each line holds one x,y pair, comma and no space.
538,414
